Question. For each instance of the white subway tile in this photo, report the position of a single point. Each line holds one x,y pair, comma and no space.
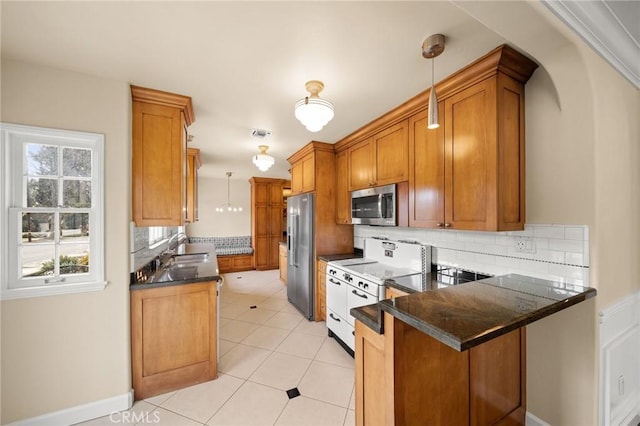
575,259
566,245
551,256
549,232
574,233
505,240
567,271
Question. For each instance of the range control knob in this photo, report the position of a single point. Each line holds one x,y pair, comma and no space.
366,285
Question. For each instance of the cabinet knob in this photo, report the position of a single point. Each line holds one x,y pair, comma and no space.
447,225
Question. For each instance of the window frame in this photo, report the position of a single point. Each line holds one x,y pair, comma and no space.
13,139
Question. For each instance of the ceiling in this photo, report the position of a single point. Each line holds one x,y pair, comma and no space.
245,63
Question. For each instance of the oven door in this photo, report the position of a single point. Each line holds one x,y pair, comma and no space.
358,297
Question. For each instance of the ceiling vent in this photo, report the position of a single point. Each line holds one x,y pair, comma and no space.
260,133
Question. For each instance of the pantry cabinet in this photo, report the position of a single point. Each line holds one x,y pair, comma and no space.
159,161
193,164
381,159
268,215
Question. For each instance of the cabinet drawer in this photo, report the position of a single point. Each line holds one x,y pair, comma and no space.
336,296
357,297
341,328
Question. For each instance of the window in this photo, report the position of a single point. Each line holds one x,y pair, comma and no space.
53,212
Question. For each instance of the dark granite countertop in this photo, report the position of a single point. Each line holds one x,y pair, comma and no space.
188,273
342,256
466,315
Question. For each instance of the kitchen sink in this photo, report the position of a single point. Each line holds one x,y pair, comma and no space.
189,258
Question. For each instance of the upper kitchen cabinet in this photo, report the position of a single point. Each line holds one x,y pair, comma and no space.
303,175
469,173
381,159
193,164
160,121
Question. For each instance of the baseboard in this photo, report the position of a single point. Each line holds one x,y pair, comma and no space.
82,413
532,420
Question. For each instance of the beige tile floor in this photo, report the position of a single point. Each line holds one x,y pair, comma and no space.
263,352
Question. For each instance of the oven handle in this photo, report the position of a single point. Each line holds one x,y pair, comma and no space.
334,282
364,296
334,318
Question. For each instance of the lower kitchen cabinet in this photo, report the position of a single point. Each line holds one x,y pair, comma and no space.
321,290
405,377
173,337
282,250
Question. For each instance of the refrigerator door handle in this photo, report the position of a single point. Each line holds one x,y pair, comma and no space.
293,249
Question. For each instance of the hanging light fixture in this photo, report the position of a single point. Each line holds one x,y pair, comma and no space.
263,161
228,207
433,46
312,111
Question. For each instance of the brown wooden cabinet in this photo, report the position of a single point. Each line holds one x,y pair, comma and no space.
283,263
321,290
267,203
469,173
394,292
381,159
193,164
343,196
303,176
159,162
407,377
173,337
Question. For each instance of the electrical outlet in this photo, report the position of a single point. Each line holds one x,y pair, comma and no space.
525,245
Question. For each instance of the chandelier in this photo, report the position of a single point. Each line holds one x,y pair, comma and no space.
228,207
312,111
263,161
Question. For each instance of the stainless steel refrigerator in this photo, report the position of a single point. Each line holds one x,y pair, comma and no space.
300,253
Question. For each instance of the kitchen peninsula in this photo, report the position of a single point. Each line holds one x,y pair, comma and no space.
174,320
455,355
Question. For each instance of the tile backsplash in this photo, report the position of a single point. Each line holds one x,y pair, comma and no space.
141,252
555,252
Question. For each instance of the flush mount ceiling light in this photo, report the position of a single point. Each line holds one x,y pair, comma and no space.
263,161
312,111
228,207
433,46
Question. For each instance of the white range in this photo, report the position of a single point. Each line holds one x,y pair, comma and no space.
360,281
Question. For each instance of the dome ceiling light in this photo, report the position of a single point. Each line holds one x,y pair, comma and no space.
263,161
312,111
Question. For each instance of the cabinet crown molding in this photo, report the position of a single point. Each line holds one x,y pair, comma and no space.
159,97
309,148
504,59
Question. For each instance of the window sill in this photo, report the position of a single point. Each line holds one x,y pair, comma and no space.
23,293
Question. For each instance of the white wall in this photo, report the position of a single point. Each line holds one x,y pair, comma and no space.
212,193
62,351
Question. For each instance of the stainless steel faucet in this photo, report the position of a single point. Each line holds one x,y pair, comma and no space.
177,238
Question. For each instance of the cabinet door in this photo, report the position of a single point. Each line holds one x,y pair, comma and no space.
159,159
308,173
193,163
391,155
426,173
261,252
470,158
343,196
275,193
296,178
361,163
321,292
262,221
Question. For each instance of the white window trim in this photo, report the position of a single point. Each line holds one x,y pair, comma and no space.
8,184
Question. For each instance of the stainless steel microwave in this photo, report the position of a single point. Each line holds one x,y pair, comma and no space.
374,206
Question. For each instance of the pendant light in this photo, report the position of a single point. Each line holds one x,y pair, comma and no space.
228,207
433,46
312,111
263,161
